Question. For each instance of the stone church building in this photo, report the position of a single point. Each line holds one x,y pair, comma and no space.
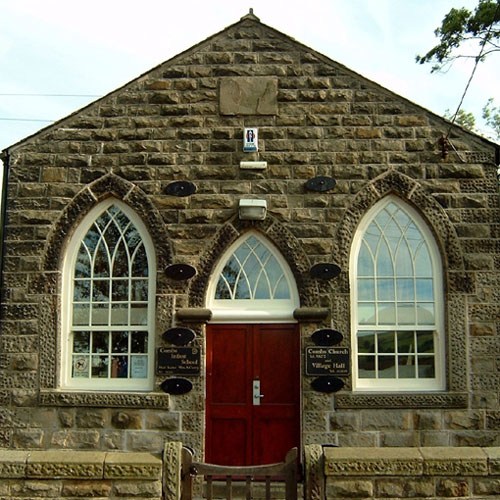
248,248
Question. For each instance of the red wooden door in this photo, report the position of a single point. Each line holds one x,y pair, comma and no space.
242,428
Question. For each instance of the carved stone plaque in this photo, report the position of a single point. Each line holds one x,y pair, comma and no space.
250,95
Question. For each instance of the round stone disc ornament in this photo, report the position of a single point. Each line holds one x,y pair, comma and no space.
180,188
327,384
179,336
180,271
320,184
176,386
327,337
325,271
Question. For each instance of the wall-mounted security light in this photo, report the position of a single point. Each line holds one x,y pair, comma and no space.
252,209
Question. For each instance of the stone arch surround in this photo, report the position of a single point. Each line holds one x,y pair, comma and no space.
109,185
284,241
456,284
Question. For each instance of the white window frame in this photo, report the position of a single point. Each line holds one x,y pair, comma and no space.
251,310
402,384
67,382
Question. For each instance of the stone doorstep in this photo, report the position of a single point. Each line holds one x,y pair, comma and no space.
68,464
436,461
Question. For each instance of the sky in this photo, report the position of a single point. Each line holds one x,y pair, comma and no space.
56,56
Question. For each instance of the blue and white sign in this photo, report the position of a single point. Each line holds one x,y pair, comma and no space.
250,139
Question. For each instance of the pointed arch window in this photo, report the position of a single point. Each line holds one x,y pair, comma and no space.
398,302
109,277
253,281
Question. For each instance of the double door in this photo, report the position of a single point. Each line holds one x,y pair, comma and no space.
253,393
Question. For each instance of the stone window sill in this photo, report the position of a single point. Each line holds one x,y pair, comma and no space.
402,400
52,397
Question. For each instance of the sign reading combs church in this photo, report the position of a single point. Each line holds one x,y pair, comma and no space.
327,361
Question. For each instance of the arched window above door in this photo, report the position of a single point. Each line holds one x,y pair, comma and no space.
252,282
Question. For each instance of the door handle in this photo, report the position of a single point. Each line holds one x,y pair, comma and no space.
256,395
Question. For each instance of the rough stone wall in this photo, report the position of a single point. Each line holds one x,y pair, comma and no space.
184,121
83,474
431,473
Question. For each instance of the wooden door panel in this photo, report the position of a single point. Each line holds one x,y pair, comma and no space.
236,355
229,441
228,367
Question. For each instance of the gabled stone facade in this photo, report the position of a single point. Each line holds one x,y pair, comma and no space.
184,120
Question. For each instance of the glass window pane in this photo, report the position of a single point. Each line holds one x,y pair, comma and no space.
83,264
262,290
425,342
100,314
366,367
139,342
385,289
386,314
385,342
100,342
405,289
366,342
119,314
222,290
365,262
406,342
366,289
386,366
81,314
140,290
406,367
81,342
138,366
138,314
426,367
140,263
120,289
384,261
119,367
80,366
404,261
81,292
406,313
425,289
101,260
119,342
120,261
425,314
100,290
100,366
366,313
423,265
282,291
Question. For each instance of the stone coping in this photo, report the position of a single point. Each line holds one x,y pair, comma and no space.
430,461
69,464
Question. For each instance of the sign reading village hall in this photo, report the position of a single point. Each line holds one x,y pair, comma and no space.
327,361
